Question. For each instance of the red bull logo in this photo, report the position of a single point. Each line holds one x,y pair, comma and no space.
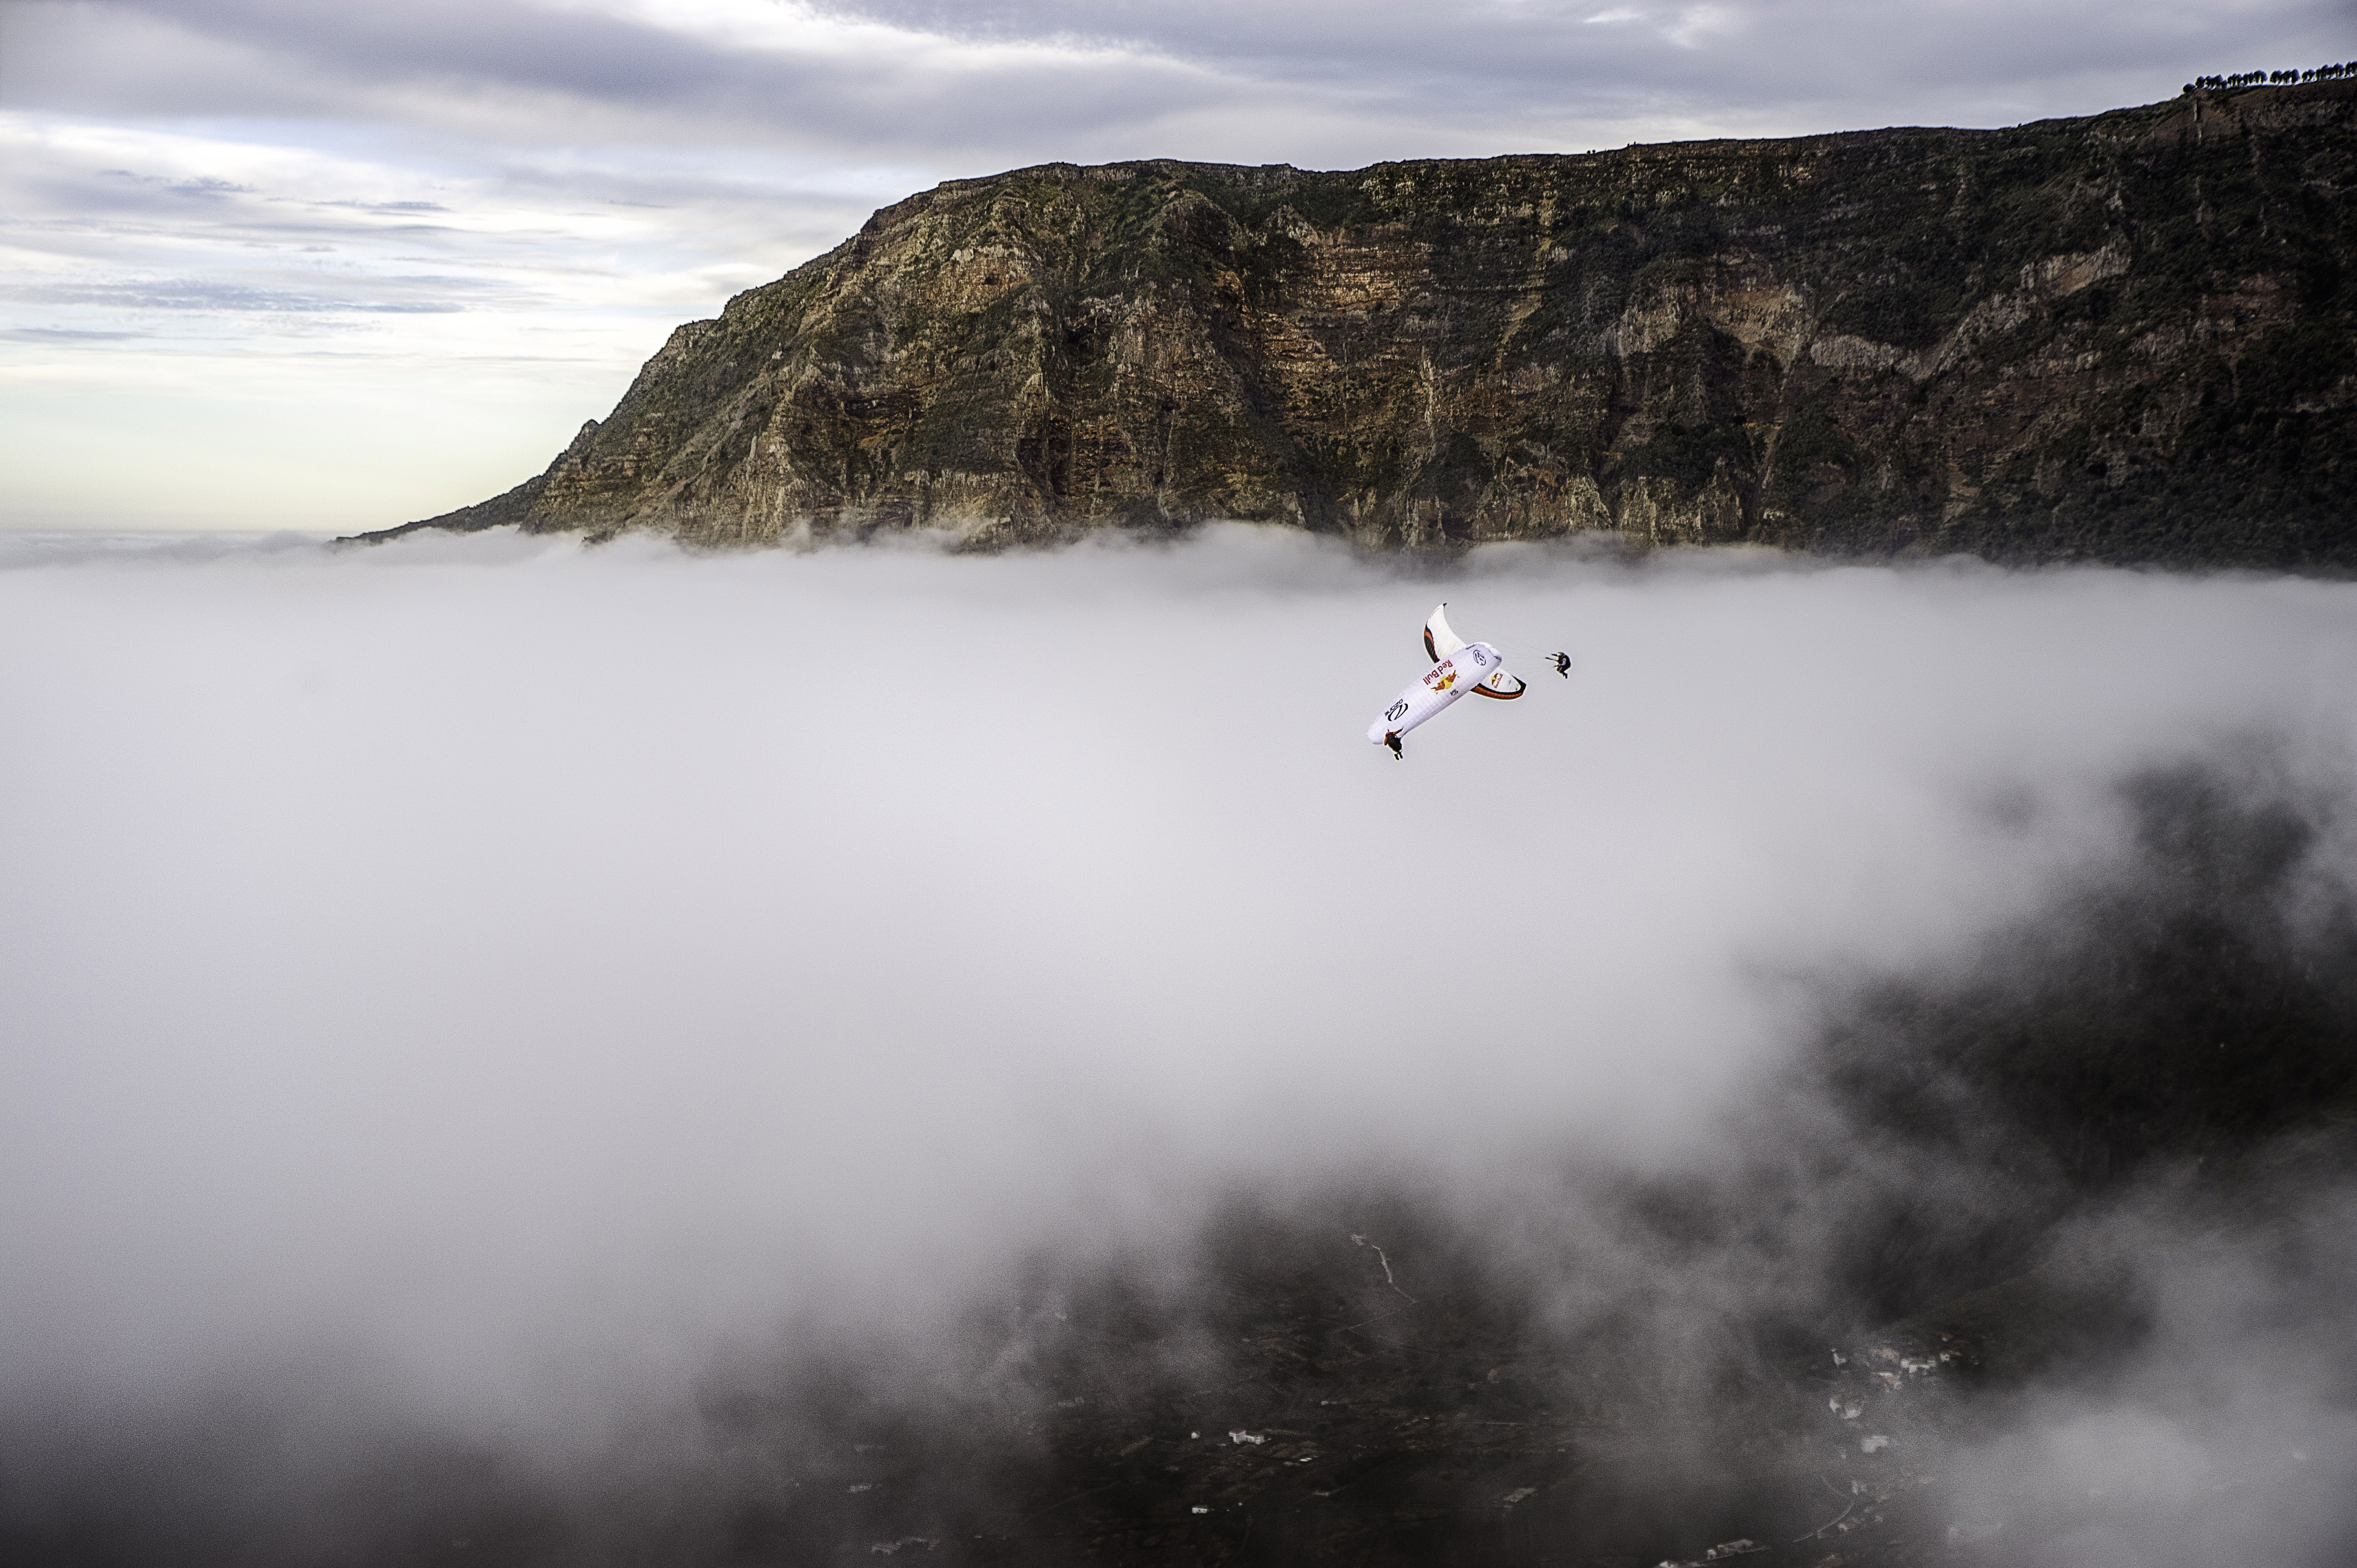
1441,676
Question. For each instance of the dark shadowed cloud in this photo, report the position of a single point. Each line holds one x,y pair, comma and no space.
1311,81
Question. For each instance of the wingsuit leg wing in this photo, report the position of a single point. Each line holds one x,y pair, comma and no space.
1440,641
1500,685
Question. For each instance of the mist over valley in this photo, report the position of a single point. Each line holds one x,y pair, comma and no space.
531,1053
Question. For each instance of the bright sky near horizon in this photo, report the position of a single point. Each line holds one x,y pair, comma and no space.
286,263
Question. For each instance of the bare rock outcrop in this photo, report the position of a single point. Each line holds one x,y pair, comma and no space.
2129,336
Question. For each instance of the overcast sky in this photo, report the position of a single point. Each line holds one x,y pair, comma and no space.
290,264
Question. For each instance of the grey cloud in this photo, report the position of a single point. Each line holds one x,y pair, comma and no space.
200,187
57,199
302,56
548,68
199,293
389,205
1388,79
302,245
67,335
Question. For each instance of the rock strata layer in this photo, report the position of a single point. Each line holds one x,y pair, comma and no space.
2128,336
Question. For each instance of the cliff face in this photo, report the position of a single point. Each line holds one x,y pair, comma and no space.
2129,336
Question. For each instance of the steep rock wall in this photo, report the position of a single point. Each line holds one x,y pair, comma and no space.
2129,336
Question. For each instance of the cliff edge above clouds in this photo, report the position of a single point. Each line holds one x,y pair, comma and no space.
2124,337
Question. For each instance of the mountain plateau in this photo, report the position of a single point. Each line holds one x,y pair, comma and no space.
2131,337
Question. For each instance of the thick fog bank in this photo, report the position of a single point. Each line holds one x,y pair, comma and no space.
573,1039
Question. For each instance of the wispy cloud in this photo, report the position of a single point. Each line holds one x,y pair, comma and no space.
67,335
201,295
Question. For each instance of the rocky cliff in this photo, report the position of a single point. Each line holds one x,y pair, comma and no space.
2129,336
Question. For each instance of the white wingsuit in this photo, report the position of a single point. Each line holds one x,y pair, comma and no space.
1458,667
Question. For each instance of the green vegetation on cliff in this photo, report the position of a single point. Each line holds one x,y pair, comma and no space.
2127,337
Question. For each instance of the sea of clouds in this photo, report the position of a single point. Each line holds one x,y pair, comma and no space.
497,977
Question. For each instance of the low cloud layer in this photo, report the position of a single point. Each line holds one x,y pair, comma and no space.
480,987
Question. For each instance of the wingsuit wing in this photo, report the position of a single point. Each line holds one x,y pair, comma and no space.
1440,642
1446,681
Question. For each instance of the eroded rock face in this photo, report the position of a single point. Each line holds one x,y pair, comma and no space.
2128,338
